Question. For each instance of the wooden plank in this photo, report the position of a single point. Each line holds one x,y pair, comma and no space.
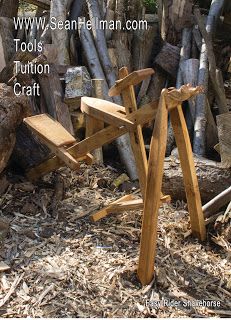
105,111
104,212
224,129
189,172
50,130
153,194
133,78
136,136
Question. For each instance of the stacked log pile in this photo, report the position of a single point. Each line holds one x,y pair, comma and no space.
181,42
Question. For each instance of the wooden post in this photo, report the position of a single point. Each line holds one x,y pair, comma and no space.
153,194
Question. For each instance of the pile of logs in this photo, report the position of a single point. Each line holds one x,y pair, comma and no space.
181,42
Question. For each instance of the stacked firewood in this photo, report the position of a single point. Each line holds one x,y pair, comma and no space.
183,43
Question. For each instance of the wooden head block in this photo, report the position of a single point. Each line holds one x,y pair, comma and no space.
132,79
101,104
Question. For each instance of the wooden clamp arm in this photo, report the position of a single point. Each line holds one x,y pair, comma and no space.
132,79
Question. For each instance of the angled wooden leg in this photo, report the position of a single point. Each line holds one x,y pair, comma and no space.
107,210
136,136
125,203
189,172
153,195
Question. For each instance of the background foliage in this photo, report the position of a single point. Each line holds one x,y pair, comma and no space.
151,6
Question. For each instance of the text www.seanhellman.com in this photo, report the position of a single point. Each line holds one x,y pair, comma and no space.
82,22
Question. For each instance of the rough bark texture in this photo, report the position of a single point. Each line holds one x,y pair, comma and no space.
176,16
28,151
143,47
60,37
7,48
9,8
12,111
53,94
168,59
212,178
199,144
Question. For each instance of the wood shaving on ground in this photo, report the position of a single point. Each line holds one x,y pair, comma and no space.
56,263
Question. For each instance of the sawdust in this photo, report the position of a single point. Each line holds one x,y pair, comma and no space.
62,265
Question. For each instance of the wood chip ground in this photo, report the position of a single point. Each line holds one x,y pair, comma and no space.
62,265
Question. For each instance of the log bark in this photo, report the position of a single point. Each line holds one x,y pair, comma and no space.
199,144
212,178
121,43
211,131
216,203
101,46
9,8
168,59
8,71
92,59
143,46
43,4
184,55
189,70
28,151
97,85
217,83
101,67
224,127
7,48
110,16
176,16
53,94
60,37
76,10
12,112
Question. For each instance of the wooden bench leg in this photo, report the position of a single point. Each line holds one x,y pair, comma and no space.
189,172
